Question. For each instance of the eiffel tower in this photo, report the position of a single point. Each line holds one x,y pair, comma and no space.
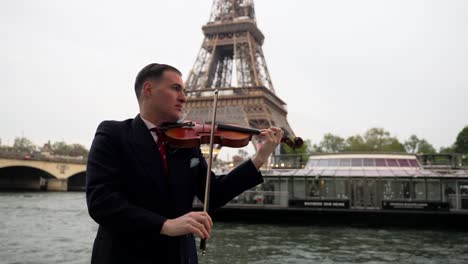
231,60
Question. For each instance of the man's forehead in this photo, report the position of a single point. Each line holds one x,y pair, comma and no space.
171,76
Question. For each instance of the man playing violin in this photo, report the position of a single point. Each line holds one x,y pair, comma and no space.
141,196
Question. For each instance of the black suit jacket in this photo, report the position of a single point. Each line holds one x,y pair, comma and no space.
130,197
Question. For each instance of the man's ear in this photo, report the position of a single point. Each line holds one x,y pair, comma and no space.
146,89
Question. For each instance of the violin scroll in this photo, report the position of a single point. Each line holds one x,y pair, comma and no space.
294,143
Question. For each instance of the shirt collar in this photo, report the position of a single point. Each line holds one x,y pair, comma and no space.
148,124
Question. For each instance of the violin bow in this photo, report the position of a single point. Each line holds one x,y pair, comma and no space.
208,171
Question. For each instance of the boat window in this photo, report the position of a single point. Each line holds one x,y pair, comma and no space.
419,189
403,162
299,190
387,189
345,162
356,162
414,163
275,184
322,163
312,163
267,190
371,193
341,187
392,163
463,188
369,163
333,162
402,189
358,193
433,190
313,188
380,163
399,189
449,195
327,188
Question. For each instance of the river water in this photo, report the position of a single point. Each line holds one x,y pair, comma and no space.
49,228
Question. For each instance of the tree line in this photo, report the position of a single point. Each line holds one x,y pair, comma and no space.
380,140
60,148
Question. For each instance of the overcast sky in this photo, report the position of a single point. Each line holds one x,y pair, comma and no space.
341,66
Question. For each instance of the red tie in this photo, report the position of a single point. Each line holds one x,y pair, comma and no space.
161,147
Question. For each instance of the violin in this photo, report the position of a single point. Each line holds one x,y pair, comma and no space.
190,135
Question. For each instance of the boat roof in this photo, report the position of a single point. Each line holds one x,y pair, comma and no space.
351,172
363,155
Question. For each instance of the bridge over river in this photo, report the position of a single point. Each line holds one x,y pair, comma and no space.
23,172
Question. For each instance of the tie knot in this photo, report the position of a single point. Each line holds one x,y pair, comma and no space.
158,132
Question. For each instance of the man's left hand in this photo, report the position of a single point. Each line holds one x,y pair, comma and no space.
272,138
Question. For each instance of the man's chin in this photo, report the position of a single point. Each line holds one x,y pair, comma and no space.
180,117
176,119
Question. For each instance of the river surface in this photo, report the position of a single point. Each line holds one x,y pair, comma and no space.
49,228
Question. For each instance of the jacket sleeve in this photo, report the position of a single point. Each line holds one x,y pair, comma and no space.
106,202
225,187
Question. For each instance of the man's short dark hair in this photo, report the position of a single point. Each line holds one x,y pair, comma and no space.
153,71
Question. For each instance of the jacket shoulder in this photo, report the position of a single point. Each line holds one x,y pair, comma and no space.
108,126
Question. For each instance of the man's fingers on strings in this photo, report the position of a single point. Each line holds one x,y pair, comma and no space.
272,134
278,133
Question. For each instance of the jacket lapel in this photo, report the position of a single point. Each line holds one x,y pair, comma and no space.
146,150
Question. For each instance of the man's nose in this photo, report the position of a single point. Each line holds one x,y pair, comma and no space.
182,97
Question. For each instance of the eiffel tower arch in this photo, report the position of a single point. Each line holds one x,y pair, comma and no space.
231,60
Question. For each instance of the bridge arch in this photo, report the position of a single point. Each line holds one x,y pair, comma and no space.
24,178
38,174
77,182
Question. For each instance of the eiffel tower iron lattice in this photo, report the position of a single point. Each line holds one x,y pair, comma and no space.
231,60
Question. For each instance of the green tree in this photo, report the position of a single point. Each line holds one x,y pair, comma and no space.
356,144
415,145
374,140
461,143
411,145
312,148
377,139
78,150
316,148
332,144
447,150
61,148
393,145
426,148
24,145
